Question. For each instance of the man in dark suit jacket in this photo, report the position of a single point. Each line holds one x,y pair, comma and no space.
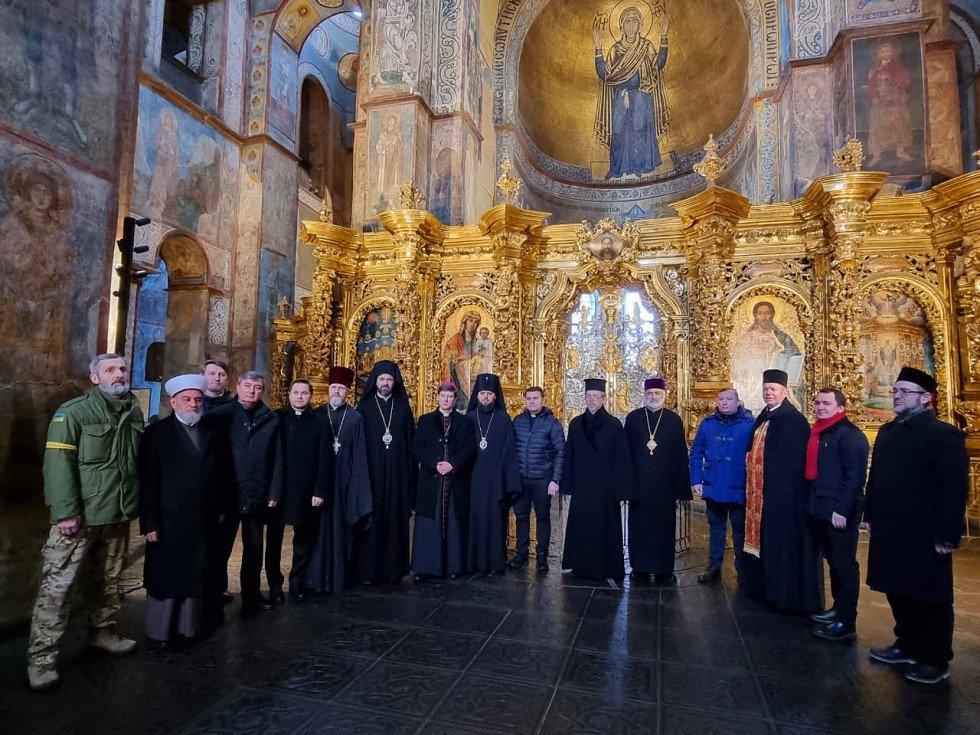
185,489
836,465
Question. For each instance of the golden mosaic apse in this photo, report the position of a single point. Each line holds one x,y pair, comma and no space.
705,75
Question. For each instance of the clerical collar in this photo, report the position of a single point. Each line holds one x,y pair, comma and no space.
776,408
299,411
383,398
446,413
535,415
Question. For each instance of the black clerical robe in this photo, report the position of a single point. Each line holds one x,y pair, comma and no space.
662,478
439,544
494,485
598,475
787,570
301,435
381,550
184,490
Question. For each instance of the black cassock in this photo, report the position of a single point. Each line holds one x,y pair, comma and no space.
183,491
381,550
442,502
787,572
598,475
347,502
662,478
494,485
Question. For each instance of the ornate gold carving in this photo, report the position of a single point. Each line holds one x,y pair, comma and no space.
710,167
326,213
409,196
850,157
508,185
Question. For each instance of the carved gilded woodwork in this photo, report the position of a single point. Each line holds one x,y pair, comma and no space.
823,253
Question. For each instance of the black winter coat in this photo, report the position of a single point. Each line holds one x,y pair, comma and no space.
256,449
304,458
842,465
540,445
429,449
182,494
917,493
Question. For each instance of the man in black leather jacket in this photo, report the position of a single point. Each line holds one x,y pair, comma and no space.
540,454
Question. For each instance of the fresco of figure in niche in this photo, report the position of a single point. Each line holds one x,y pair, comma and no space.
632,112
813,122
375,341
893,333
397,43
766,334
889,102
467,350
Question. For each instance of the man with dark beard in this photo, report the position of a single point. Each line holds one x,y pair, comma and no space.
444,447
659,452
185,488
348,498
780,561
598,475
381,551
495,481
917,493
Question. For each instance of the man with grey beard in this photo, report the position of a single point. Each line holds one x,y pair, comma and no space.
185,489
90,485
658,448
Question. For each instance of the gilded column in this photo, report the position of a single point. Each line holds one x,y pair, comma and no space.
711,219
515,236
414,233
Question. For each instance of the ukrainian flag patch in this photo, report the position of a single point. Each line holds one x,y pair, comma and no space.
58,418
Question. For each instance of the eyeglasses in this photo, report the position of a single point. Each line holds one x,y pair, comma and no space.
906,392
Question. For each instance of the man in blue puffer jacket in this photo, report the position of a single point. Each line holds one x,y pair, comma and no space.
718,476
540,454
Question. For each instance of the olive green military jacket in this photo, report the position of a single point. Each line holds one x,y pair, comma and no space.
90,460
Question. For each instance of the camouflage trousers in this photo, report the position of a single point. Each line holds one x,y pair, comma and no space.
94,557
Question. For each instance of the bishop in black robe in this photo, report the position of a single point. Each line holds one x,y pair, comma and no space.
445,448
598,476
658,448
496,480
185,489
347,507
781,563
381,549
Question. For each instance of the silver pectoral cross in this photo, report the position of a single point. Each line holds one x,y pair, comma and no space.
651,445
483,443
336,446
386,438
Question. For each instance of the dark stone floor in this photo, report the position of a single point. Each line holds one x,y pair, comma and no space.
520,654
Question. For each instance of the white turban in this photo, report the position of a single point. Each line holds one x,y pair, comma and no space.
191,381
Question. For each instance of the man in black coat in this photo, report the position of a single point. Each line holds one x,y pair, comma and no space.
780,561
348,504
185,489
381,550
917,492
598,476
444,447
254,431
658,448
540,459
304,458
836,467
495,481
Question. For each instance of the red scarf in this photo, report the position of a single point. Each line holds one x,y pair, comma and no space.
813,445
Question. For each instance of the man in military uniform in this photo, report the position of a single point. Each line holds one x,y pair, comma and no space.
91,486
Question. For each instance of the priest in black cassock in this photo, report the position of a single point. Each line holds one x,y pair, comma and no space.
658,448
185,489
381,550
598,475
496,481
445,449
347,505
780,563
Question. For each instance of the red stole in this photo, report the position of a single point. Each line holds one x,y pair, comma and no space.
753,490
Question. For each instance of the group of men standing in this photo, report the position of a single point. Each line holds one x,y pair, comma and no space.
348,481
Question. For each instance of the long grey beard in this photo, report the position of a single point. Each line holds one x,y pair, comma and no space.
189,418
115,390
653,405
336,402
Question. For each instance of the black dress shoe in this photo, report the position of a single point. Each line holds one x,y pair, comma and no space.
927,673
837,630
712,573
276,596
299,595
227,598
891,655
543,565
453,576
418,578
264,603
517,562
155,646
827,616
